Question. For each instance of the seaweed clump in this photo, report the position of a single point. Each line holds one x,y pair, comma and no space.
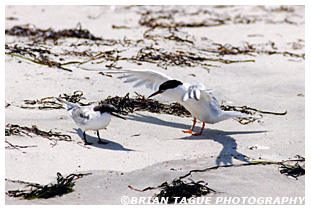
128,105
292,171
63,186
29,30
178,190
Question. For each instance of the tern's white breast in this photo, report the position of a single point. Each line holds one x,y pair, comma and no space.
96,121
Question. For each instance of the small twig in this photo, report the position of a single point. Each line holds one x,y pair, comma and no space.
18,147
45,62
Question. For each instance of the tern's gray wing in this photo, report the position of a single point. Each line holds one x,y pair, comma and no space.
149,78
195,90
80,115
211,98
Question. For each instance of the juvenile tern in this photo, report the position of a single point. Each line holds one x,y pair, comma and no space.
195,97
91,117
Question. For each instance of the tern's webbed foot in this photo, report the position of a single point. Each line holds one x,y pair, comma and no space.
87,143
188,131
197,134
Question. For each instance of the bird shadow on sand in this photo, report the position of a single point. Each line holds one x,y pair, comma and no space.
111,145
224,138
229,144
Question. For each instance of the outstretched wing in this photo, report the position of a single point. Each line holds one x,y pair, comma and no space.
148,78
196,91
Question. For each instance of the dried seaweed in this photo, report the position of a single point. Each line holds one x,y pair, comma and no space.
11,129
164,58
179,190
248,110
139,103
64,185
292,171
165,19
36,55
163,23
251,49
74,98
46,103
127,104
251,163
42,34
173,34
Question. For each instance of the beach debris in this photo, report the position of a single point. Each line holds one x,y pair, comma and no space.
164,58
12,129
173,34
139,102
35,33
248,110
162,25
74,98
17,147
251,163
64,185
126,104
36,55
50,102
294,170
43,103
165,19
178,190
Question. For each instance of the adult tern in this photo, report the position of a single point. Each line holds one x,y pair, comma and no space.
195,96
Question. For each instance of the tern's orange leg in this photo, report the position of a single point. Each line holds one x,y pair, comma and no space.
190,131
198,134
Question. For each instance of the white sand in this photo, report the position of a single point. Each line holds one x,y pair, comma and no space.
154,143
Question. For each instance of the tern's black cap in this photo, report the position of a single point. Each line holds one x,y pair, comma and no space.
105,108
170,84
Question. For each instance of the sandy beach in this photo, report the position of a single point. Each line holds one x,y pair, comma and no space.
250,56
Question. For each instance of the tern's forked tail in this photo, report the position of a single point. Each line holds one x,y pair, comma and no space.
230,114
69,105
